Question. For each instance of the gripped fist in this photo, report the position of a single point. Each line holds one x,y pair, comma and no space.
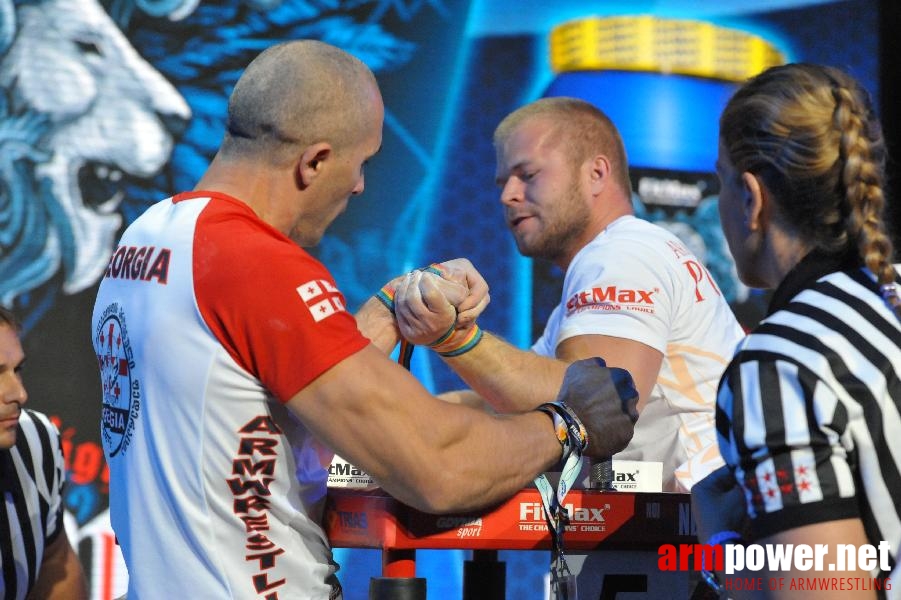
605,400
462,271
423,301
425,306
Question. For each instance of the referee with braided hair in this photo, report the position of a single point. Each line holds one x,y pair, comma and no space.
36,559
809,410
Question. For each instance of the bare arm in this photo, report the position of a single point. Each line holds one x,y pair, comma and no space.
467,397
433,455
509,379
377,323
61,576
512,380
493,368
640,360
440,457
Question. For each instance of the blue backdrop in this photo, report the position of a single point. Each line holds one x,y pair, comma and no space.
72,175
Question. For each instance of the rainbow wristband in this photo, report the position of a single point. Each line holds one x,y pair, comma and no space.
386,294
447,335
386,297
469,341
436,269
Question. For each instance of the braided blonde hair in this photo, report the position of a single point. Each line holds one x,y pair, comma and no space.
809,132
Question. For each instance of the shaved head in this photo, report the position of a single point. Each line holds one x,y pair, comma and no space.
295,94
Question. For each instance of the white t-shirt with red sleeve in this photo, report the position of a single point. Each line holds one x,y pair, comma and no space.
206,322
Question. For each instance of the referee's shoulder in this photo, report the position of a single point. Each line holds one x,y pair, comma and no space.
37,422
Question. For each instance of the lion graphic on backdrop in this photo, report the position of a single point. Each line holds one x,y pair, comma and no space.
80,111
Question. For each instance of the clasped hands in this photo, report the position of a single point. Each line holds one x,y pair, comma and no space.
438,306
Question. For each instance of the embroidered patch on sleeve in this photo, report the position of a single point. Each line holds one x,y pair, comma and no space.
322,298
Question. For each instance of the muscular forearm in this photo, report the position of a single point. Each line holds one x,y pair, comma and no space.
378,324
432,455
483,460
467,397
508,378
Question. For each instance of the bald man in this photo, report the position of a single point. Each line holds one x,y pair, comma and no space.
232,370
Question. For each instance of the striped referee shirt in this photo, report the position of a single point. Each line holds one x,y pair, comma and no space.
31,514
809,409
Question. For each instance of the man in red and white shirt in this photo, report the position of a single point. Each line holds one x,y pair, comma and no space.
232,371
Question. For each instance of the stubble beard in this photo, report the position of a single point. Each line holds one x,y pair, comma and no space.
567,228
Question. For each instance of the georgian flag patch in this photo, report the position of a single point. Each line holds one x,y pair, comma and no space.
322,298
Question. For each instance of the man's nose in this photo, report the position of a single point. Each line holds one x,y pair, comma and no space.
511,192
361,184
12,389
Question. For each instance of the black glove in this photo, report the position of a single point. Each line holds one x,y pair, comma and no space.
605,400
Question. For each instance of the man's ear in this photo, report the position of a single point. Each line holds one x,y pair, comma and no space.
311,162
755,197
600,173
